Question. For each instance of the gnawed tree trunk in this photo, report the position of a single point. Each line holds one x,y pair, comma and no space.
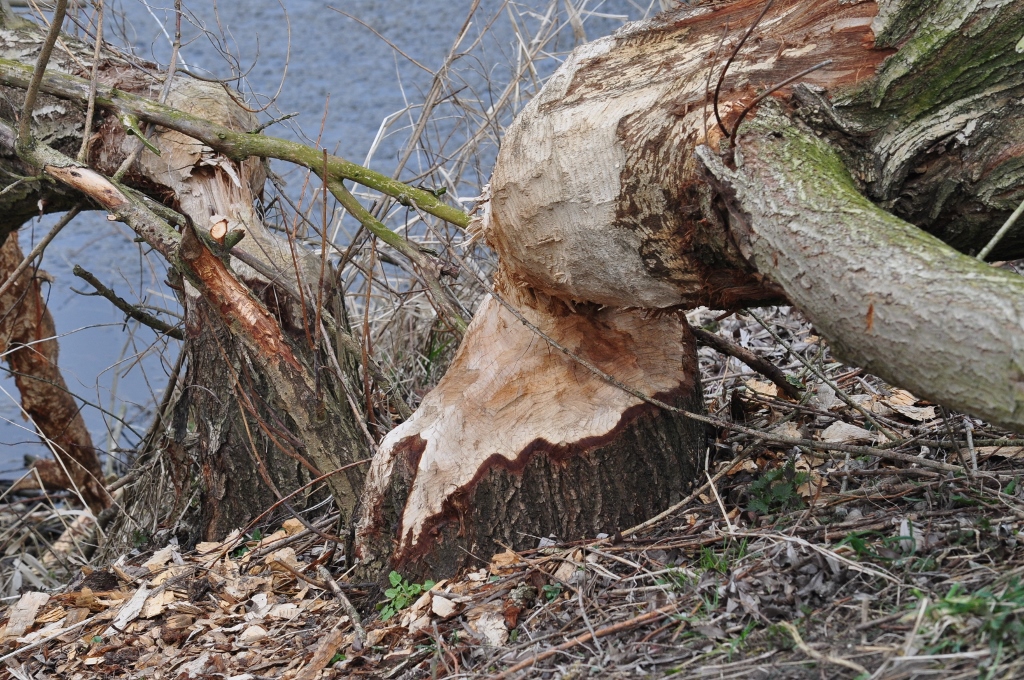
519,441
247,422
617,186
28,342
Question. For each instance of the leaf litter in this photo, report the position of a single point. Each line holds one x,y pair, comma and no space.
791,562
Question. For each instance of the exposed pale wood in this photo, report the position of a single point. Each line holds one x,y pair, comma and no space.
596,195
510,401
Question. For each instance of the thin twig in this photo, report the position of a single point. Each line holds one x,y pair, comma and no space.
762,366
83,152
131,310
750,107
587,637
998,236
357,622
728,63
40,247
25,124
824,378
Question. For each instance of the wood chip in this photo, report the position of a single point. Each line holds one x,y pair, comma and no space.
129,611
23,614
325,651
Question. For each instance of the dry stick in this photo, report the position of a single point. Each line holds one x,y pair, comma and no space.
367,350
728,63
586,637
141,142
721,505
818,656
824,378
347,389
1011,220
83,152
25,124
762,366
357,622
320,285
40,247
126,307
750,107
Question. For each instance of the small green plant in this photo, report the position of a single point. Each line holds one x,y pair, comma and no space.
400,595
776,490
551,591
999,611
739,641
337,658
256,535
139,538
676,579
712,561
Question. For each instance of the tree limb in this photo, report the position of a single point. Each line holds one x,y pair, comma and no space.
888,296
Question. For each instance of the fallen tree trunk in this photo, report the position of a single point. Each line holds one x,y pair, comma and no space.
625,185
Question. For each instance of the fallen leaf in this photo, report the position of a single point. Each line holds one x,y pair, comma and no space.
159,559
292,526
283,556
918,413
841,432
765,388
253,633
488,621
567,569
328,646
901,397
504,563
442,606
787,429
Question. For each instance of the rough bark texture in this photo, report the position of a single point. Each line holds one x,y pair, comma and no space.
597,196
28,342
857,271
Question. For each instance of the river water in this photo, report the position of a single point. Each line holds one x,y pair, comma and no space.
329,57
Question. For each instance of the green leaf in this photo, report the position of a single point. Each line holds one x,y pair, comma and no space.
395,578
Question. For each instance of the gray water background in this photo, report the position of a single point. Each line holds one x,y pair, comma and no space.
330,55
